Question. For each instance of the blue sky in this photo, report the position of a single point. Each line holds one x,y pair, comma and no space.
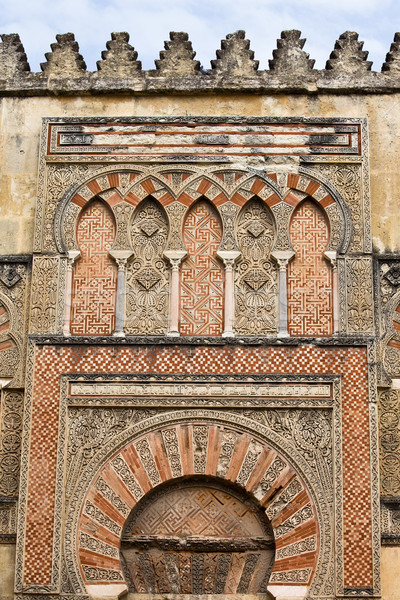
206,21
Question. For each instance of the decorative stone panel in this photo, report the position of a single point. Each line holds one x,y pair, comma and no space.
39,562
310,289
202,281
256,292
147,273
94,280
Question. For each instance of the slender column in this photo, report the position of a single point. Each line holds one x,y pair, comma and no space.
229,257
120,302
332,257
282,257
121,258
73,255
175,257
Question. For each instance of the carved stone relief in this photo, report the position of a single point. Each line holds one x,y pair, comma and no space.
387,279
10,351
359,290
11,415
14,289
255,275
228,447
8,521
89,429
310,431
123,214
147,274
282,213
347,179
389,436
175,212
45,278
59,179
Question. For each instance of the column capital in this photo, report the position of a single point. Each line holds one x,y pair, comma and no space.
72,256
331,255
282,257
228,257
121,257
175,257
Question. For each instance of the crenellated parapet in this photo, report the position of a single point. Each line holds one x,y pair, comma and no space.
290,57
235,69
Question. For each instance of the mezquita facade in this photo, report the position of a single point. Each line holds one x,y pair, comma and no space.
199,324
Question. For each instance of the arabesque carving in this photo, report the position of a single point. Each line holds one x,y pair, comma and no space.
256,276
44,294
147,273
389,436
11,415
360,305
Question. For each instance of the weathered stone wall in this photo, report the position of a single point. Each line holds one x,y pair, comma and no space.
73,427
20,127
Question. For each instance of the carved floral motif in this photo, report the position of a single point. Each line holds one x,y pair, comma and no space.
256,278
147,273
389,425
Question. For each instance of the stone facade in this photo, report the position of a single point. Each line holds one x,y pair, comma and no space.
199,324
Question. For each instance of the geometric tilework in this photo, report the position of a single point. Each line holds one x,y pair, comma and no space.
202,281
95,274
309,275
52,361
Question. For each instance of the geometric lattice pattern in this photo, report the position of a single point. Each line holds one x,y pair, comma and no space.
200,511
202,279
94,283
310,309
